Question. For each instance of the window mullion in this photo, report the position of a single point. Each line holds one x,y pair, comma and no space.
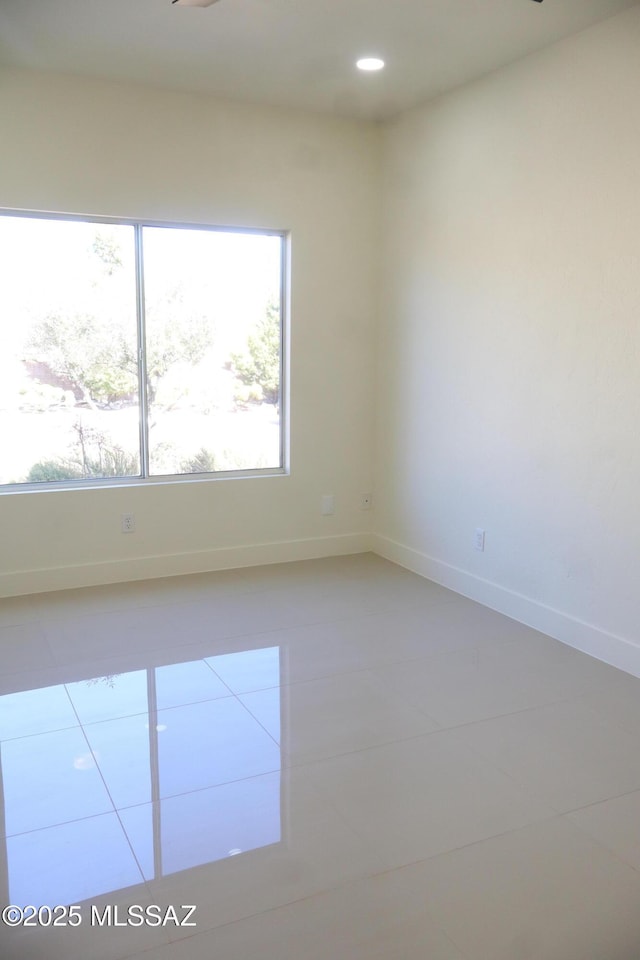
142,355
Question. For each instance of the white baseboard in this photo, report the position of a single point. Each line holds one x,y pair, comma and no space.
608,647
586,637
170,565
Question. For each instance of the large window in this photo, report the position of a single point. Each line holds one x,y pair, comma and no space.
137,351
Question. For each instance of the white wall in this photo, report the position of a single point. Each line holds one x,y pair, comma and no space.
508,387
509,369
82,146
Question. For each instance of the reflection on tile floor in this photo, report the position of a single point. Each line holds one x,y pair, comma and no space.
333,758
121,753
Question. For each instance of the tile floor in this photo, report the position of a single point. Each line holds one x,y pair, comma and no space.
329,759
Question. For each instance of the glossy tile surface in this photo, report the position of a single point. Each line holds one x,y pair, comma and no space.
335,715
68,846
332,758
48,779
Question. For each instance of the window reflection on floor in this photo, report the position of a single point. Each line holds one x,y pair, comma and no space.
114,780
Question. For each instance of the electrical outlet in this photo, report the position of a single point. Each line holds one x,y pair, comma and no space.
478,539
128,523
366,501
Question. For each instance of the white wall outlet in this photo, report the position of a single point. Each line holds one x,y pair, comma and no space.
366,501
128,523
327,505
478,539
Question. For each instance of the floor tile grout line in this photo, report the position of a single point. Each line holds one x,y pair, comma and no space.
61,823
373,666
441,725
597,803
603,846
441,729
260,724
281,628
267,588
145,803
369,876
108,791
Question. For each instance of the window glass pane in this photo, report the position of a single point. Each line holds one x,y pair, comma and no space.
70,403
212,308
68,364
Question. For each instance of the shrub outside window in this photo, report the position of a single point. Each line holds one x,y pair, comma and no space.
133,351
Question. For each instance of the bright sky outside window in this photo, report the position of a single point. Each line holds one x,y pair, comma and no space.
138,351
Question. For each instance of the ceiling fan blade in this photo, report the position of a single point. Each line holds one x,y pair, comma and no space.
194,3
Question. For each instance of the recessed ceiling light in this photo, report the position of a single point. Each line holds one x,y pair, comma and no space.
370,64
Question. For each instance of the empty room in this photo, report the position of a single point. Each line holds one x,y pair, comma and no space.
319,464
